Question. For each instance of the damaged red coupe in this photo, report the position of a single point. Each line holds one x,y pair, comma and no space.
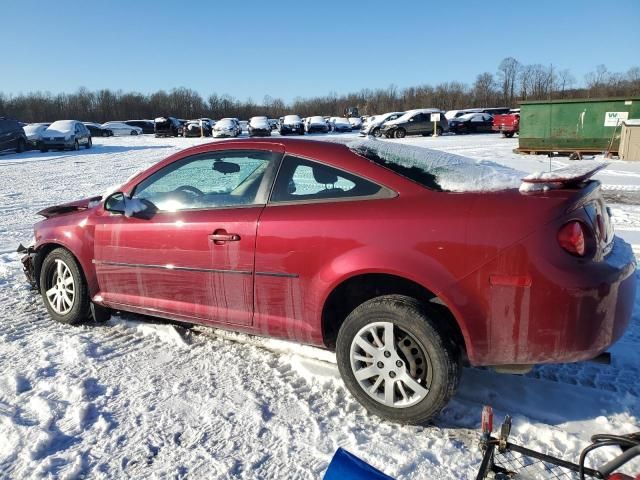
405,261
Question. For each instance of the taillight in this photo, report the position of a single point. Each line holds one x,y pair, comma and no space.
571,237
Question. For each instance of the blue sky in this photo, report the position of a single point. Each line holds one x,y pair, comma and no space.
305,48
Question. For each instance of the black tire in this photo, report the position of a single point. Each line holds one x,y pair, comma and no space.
22,146
376,132
439,131
89,144
134,132
76,145
441,374
400,133
508,134
79,311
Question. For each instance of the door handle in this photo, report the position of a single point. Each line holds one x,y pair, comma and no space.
220,237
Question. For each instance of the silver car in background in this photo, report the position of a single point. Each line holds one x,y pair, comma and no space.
373,124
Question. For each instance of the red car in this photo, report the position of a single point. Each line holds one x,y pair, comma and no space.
350,249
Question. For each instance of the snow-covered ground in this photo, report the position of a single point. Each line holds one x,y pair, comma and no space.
150,400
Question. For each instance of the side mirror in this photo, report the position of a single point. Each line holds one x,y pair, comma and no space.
115,203
120,204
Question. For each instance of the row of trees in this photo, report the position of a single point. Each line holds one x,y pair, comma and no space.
511,83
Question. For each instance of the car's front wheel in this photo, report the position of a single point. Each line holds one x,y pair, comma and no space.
63,288
89,143
400,133
396,361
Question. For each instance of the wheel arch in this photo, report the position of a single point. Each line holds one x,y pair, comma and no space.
360,287
45,249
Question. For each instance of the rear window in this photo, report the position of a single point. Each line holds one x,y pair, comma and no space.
437,170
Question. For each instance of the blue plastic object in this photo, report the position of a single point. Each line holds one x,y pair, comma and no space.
346,466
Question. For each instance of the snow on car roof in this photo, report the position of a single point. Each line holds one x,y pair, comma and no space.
449,172
63,125
291,118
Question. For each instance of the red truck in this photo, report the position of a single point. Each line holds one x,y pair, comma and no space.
508,123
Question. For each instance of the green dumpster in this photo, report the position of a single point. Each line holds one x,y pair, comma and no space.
574,126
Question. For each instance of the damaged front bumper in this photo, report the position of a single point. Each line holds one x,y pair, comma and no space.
28,263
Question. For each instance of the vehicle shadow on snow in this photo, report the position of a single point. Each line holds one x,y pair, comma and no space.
540,399
33,155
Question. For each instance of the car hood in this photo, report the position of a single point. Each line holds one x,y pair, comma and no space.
75,206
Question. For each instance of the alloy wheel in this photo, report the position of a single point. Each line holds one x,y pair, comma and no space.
61,288
390,365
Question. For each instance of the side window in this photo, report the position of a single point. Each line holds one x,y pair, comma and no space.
211,180
304,180
476,118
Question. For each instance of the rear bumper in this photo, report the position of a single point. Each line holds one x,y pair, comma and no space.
566,312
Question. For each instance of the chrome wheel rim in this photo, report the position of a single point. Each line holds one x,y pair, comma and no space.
61,289
390,365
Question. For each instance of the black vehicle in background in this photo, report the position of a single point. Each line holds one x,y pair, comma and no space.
291,124
12,136
147,126
414,122
197,128
472,123
98,130
167,127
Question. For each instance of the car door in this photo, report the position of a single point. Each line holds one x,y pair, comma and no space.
308,223
4,134
194,257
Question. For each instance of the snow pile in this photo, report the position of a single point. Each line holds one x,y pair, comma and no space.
451,172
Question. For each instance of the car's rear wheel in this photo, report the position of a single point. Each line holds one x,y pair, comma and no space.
400,133
395,360
134,132
63,288
439,131
376,132
508,134
89,143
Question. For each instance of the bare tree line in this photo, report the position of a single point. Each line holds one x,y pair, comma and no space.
511,83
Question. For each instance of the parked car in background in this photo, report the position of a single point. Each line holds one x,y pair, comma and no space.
259,127
291,124
316,124
65,135
451,114
197,128
97,130
361,249
33,132
356,123
227,127
167,127
340,124
147,126
414,122
12,136
121,128
273,123
507,123
373,124
472,123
